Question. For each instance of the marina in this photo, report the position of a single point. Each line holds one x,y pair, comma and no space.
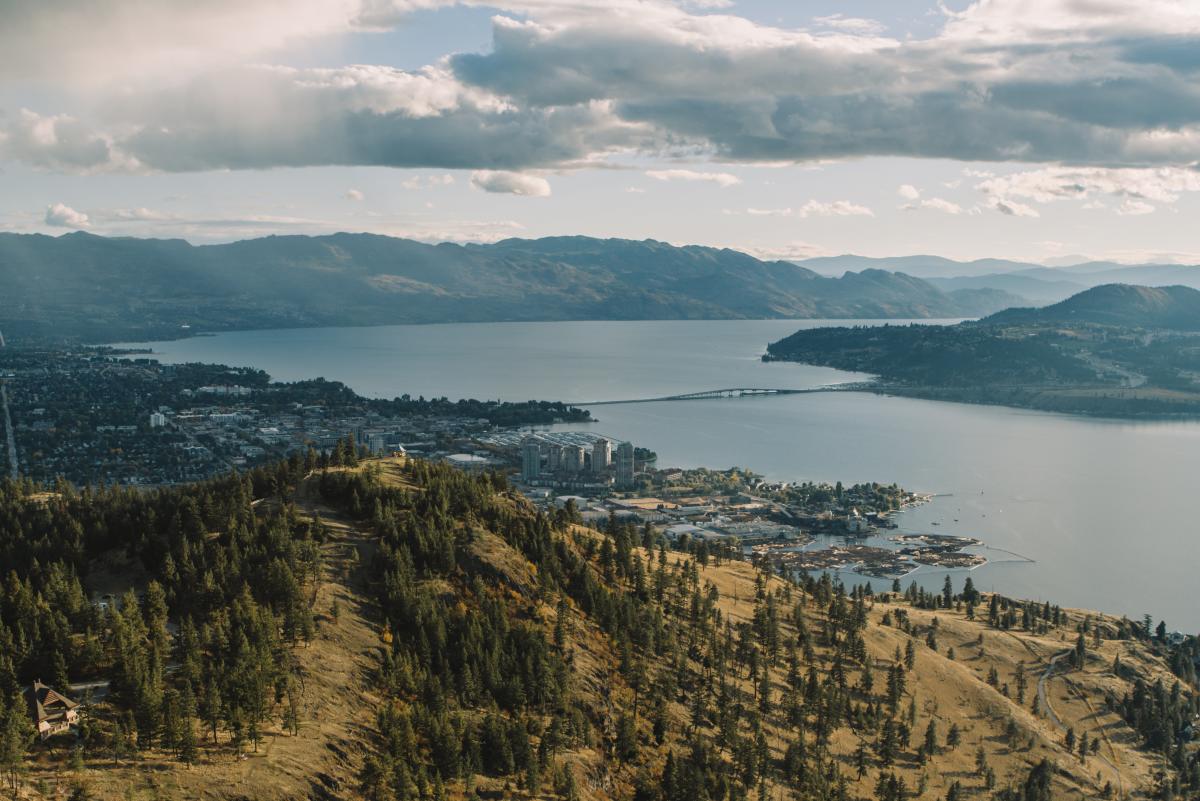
1012,478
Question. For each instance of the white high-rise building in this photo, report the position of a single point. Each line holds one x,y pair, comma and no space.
158,420
625,465
574,458
601,455
531,459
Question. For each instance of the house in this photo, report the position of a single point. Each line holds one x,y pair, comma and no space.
50,711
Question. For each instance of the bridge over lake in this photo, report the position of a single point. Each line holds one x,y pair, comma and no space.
730,392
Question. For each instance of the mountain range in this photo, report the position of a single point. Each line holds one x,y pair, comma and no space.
1174,308
107,289
1036,283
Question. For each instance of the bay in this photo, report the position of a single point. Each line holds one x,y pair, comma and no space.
1103,508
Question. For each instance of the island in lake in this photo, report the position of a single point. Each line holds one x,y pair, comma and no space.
1114,350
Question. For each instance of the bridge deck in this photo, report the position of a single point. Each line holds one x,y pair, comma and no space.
731,392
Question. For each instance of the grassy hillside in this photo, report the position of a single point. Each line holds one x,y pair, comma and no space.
465,646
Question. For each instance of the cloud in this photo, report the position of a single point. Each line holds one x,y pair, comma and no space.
1134,208
1139,191
181,86
260,117
512,183
355,195
1051,184
254,223
141,214
58,142
93,42
60,215
908,192
853,25
723,179
792,251
750,92
813,208
1013,208
936,204
836,208
427,181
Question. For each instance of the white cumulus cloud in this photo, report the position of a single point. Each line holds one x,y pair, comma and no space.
718,178
512,183
1013,209
61,215
836,208
1135,208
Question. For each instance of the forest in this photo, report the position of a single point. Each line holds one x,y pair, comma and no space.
520,655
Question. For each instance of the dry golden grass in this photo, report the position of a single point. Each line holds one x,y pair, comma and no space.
338,702
956,691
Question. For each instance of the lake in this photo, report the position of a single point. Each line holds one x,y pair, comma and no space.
1102,507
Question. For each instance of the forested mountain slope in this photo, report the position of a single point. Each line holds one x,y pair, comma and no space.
1172,308
112,289
1113,350
401,630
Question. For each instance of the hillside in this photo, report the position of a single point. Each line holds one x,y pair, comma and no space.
465,646
922,266
1113,350
112,289
1039,285
1173,307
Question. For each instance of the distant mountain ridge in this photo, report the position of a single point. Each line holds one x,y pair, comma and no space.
1172,307
921,266
109,289
1037,283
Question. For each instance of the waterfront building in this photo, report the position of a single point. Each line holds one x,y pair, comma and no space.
554,458
625,465
531,459
574,458
601,455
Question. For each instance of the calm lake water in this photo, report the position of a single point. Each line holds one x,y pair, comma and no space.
1104,508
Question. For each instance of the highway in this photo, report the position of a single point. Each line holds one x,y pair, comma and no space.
731,392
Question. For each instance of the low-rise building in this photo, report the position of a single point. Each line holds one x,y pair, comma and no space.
51,711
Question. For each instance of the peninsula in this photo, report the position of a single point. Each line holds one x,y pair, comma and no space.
1115,350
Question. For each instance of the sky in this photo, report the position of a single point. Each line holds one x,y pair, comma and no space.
1040,130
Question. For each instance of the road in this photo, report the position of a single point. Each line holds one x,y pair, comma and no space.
10,442
733,392
1043,698
92,691
1044,703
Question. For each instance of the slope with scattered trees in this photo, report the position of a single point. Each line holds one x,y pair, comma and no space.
401,630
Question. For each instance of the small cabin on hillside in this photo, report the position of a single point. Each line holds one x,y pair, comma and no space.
51,711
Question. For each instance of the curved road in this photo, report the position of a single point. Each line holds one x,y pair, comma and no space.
1043,699
1044,702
